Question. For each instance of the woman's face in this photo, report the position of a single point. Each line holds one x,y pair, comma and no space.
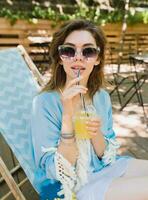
79,54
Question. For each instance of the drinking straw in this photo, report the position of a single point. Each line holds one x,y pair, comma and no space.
82,97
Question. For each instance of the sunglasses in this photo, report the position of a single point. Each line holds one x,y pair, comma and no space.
69,53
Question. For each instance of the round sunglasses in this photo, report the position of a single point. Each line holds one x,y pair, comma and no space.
69,53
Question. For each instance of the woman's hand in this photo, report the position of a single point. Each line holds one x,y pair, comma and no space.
70,92
97,138
93,126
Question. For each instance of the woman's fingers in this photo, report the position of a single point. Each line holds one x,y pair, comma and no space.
93,126
74,81
79,87
93,122
72,94
73,91
92,131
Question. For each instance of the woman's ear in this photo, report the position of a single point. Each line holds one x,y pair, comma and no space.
61,62
97,62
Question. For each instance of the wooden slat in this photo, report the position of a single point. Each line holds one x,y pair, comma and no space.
10,181
31,65
11,41
10,31
19,185
12,171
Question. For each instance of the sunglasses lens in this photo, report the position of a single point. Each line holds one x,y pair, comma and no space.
66,52
89,52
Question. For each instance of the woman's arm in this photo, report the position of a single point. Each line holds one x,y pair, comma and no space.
105,145
97,138
98,143
45,130
67,147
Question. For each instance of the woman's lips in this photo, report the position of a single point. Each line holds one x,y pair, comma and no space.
77,69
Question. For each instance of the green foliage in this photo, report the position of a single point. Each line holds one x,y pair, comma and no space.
82,11
137,17
145,17
9,14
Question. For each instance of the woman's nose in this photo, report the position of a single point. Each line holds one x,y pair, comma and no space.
78,55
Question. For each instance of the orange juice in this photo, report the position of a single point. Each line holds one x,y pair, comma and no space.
80,124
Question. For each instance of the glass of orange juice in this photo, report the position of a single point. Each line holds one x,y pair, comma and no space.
79,120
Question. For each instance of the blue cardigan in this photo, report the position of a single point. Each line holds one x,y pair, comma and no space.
46,127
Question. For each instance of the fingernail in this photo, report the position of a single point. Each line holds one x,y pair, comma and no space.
80,77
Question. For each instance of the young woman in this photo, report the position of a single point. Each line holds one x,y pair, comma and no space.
89,168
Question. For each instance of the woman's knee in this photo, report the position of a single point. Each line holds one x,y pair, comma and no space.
128,188
136,168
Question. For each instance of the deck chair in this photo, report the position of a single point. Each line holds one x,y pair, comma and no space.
127,85
18,86
124,94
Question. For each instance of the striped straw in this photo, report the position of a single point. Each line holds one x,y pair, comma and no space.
82,98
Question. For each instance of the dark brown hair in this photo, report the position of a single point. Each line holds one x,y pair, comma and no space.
58,79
